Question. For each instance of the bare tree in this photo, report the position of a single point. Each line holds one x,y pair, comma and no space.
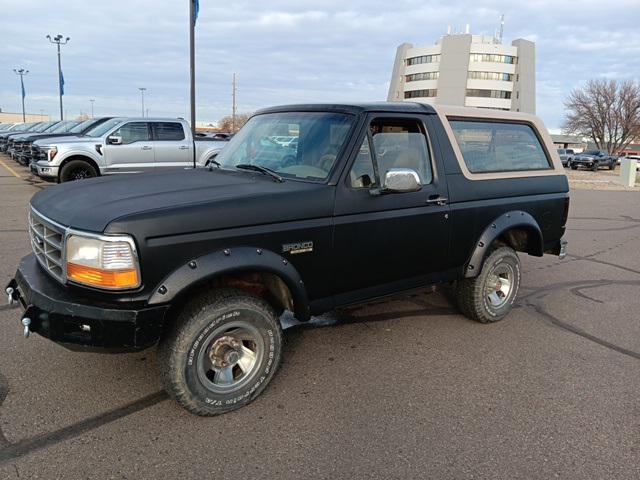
606,111
226,124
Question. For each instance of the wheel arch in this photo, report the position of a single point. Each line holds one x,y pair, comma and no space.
82,157
256,270
516,229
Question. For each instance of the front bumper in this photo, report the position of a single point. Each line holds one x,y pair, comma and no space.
45,170
65,317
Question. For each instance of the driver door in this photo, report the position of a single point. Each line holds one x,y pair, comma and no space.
386,242
135,151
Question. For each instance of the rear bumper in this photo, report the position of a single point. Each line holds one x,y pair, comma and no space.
80,323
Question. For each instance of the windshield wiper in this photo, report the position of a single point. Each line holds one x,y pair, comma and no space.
258,168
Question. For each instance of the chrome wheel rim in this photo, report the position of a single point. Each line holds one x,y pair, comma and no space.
229,357
499,285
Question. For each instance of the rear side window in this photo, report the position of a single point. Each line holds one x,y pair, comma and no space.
168,131
499,147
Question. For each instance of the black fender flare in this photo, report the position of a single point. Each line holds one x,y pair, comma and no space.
506,221
229,260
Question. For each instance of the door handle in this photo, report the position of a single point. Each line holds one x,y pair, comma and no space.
183,147
146,147
437,200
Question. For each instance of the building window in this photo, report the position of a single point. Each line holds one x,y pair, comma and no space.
423,59
422,76
499,147
476,92
493,58
505,77
432,92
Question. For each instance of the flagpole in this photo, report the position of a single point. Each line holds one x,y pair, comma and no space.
192,73
22,72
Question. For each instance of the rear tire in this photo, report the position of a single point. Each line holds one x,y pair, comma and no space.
489,297
221,353
574,167
612,165
77,170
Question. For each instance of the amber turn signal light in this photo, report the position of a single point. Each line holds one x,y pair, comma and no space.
114,279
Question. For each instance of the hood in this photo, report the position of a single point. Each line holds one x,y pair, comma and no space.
65,138
40,136
11,134
181,201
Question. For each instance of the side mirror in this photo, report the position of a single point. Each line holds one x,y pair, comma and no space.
114,140
399,180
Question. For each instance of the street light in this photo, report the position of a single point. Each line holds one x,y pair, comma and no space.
57,40
22,72
142,89
92,100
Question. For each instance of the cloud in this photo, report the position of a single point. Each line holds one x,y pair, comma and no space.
286,51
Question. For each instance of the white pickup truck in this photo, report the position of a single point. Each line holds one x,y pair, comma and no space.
123,145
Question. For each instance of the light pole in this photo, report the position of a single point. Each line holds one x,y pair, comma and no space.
91,100
57,40
142,89
22,72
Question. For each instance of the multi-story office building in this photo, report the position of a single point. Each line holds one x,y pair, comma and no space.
469,70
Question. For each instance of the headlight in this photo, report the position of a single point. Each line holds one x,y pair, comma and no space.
52,153
102,262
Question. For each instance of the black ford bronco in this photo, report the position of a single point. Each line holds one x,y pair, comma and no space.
370,200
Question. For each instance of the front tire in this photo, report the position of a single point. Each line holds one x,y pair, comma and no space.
77,170
489,297
221,353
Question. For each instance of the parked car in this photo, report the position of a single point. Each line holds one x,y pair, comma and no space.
20,145
30,152
42,127
21,128
380,198
123,145
593,160
566,156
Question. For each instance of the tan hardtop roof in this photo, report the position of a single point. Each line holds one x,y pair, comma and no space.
475,112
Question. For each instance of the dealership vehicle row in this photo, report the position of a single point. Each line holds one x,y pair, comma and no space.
63,151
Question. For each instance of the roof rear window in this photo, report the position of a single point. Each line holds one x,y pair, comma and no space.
490,146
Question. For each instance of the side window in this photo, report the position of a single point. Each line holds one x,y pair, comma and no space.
362,174
401,143
168,131
133,132
499,147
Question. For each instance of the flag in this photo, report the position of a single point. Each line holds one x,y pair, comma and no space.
61,83
196,10
23,92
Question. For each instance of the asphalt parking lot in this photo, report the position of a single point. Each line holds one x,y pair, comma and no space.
405,388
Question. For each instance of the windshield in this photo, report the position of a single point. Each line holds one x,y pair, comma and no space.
591,152
63,127
34,127
316,141
103,128
82,125
45,127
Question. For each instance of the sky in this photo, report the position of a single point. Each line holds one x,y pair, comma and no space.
286,51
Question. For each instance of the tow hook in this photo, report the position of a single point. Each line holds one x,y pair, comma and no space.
25,323
10,298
